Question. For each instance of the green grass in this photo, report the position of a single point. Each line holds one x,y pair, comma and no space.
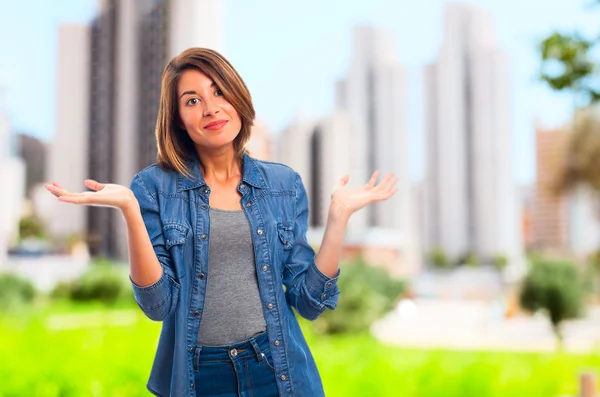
105,352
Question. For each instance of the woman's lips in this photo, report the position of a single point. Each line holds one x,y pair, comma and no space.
215,125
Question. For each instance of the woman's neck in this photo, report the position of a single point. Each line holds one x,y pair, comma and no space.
220,166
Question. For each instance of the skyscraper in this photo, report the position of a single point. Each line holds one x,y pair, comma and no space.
549,221
365,132
68,155
471,198
130,43
372,95
13,175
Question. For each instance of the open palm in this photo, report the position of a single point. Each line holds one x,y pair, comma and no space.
351,200
103,195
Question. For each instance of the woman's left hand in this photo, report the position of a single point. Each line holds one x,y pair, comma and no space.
346,201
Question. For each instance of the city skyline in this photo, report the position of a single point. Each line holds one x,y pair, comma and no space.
366,131
266,60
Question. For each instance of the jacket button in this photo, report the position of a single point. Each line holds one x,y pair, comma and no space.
203,237
203,206
329,285
191,349
192,385
270,305
259,231
242,186
196,313
201,276
248,204
283,377
276,343
265,268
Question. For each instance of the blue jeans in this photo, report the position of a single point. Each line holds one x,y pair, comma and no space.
242,369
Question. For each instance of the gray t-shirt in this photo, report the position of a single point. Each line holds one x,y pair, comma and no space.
232,307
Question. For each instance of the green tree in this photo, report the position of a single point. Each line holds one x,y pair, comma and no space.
570,63
556,288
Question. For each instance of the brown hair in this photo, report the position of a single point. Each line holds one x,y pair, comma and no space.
175,147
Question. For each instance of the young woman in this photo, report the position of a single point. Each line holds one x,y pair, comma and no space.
217,243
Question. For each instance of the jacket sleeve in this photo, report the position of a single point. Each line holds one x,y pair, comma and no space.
158,300
307,289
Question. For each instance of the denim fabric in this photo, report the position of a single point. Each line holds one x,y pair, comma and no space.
242,369
175,209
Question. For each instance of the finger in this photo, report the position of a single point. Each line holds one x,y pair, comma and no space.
384,181
56,190
344,180
92,184
390,185
373,180
61,192
75,199
386,195
58,185
391,193
47,187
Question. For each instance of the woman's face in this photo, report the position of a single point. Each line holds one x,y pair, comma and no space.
210,121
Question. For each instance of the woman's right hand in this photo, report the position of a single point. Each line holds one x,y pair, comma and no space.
103,195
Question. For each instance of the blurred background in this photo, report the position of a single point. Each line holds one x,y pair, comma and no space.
481,277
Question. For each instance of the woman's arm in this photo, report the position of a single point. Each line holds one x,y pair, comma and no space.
344,203
154,289
144,267
311,281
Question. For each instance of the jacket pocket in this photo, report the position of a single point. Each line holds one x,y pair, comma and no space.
175,236
286,235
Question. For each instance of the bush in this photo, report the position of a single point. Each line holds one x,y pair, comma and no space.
31,226
15,292
500,261
468,259
438,259
555,287
103,282
367,293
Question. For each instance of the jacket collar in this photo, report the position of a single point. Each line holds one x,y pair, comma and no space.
251,175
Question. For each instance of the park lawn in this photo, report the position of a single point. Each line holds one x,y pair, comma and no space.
87,350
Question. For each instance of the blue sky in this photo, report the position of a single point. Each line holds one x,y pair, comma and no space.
291,54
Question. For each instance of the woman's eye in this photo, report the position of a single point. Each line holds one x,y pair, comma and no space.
192,101
219,93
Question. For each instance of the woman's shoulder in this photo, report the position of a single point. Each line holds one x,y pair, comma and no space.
154,176
276,173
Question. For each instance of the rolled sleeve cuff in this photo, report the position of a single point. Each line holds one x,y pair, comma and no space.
152,297
322,288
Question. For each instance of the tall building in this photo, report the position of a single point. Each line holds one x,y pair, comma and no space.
194,23
13,175
68,153
365,132
471,197
33,151
261,142
318,149
373,97
549,223
130,43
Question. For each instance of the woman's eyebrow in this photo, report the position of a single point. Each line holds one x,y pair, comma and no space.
188,93
213,84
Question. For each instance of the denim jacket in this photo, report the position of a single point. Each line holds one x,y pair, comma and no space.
175,210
